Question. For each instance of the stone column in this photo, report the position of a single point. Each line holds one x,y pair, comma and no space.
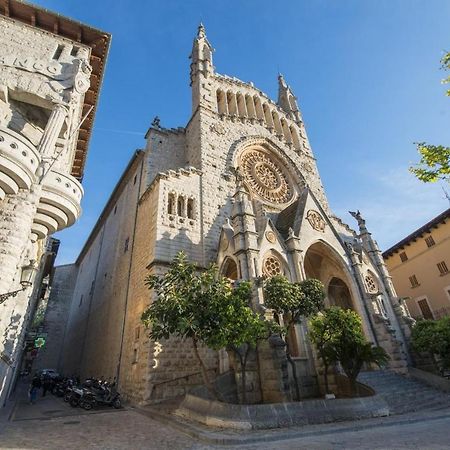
52,130
16,217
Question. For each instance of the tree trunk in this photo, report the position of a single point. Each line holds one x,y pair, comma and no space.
209,385
243,377
294,368
325,376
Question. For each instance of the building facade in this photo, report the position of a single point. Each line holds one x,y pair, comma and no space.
420,268
237,186
51,68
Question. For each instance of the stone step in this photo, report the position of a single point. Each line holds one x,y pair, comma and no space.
404,394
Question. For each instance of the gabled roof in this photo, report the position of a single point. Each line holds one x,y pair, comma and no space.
97,40
434,223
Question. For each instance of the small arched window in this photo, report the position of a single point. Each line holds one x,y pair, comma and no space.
171,203
190,208
180,206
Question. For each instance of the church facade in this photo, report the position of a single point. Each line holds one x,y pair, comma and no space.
239,187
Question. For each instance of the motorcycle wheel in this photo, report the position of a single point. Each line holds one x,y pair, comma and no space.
66,397
73,402
117,403
86,405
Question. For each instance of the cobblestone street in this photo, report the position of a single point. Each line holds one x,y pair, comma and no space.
52,424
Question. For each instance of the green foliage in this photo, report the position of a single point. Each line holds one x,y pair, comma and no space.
433,336
434,161
203,306
338,336
293,299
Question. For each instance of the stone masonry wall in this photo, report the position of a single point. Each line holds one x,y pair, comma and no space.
56,317
94,336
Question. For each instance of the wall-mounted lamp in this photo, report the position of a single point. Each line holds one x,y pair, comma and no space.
26,280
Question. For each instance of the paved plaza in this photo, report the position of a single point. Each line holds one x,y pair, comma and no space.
52,424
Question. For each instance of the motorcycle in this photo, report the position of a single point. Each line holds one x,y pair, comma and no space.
100,394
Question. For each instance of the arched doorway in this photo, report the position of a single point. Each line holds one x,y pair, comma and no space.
323,263
339,294
230,270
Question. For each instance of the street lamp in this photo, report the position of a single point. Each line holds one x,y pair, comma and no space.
26,278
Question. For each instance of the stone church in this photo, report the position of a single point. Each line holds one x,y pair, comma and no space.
238,186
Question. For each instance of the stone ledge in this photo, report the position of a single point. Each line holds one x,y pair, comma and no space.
279,415
431,379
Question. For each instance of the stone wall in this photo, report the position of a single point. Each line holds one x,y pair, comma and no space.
56,317
95,328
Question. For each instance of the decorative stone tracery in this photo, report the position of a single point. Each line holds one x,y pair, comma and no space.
272,266
315,220
266,177
372,286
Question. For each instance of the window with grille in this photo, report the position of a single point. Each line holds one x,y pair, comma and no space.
413,281
403,256
425,309
430,241
443,269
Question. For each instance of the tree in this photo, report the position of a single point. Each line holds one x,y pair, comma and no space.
433,336
338,336
434,161
291,301
240,329
204,307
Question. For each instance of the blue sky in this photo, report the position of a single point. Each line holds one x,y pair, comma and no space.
366,74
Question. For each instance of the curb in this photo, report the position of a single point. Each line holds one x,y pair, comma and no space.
218,438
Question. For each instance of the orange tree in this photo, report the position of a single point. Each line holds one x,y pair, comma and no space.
202,306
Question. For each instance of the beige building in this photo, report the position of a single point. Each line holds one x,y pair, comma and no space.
238,186
420,268
51,68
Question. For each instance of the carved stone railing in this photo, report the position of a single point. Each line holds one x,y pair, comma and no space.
19,160
59,205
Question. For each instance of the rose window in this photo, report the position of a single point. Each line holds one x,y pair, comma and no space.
271,267
371,284
265,177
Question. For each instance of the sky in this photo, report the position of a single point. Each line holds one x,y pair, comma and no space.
366,74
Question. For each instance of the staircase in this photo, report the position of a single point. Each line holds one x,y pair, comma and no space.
404,394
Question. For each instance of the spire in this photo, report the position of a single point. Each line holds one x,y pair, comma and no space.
287,100
201,55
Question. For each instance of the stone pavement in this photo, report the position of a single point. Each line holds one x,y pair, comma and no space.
52,424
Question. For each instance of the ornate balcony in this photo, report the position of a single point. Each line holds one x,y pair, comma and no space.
59,205
19,160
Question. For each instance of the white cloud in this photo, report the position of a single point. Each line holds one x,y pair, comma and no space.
395,206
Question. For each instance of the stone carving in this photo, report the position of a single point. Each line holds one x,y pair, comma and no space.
315,220
358,217
156,123
266,177
83,70
272,266
217,128
307,167
270,236
371,284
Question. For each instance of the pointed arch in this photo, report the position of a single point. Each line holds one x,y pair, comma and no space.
267,115
277,123
250,106
231,103
286,131
295,138
242,110
229,269
258,108
221,102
